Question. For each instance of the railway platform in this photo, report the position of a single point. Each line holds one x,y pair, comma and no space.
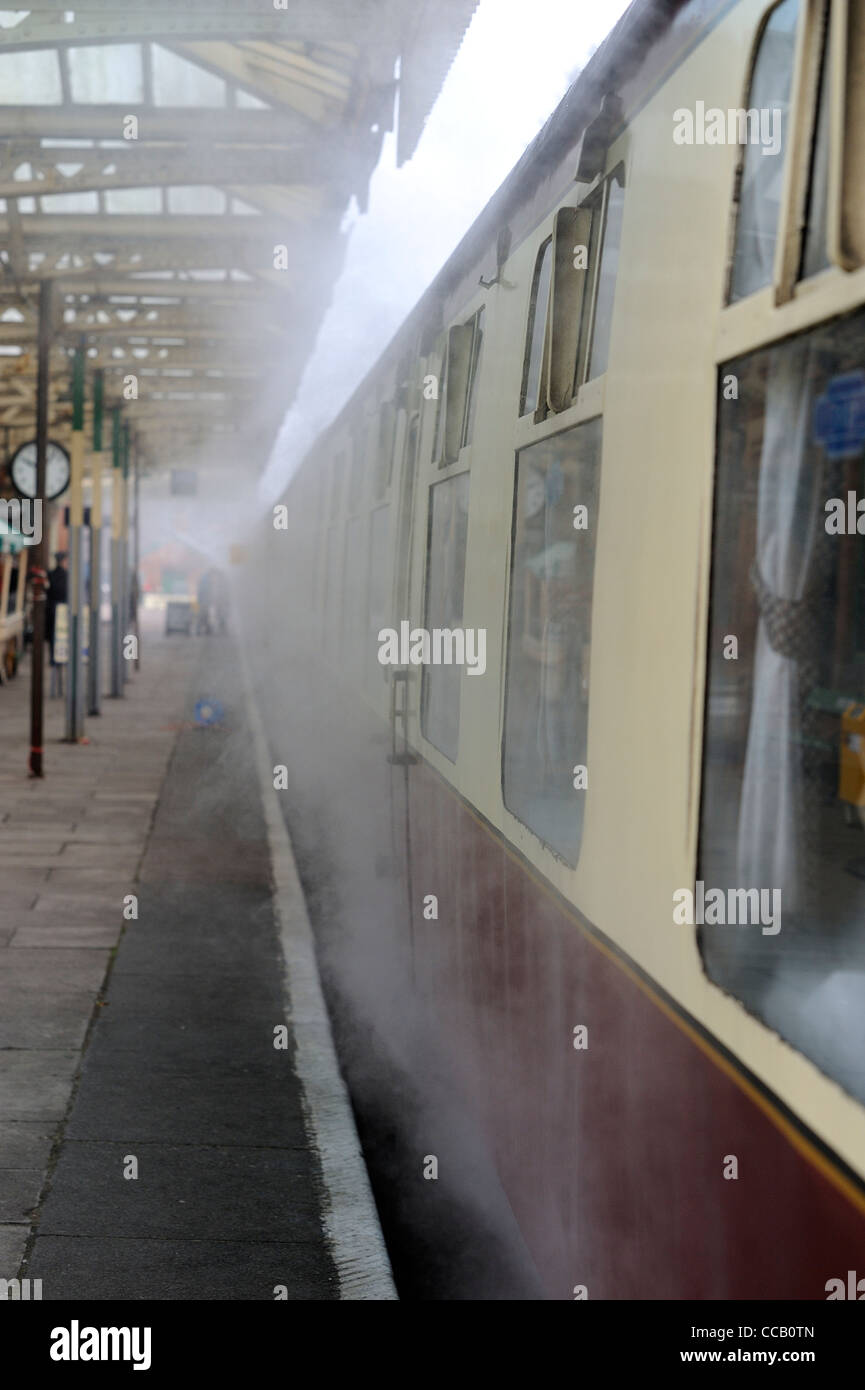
173,1124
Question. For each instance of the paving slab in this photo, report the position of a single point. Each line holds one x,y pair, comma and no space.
75,900
35,1084
88,938
22,823
57,972
74,914
25,1144
30,842
40,1019
13,1242
85,833
19,1193
16,897
61,879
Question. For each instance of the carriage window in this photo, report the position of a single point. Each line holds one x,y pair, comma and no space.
405,512
607,271
536,329
332,591
359,446
336,484
851,231
460,379
318,490
549,634
443,609
783,805
474,373
606,207
385,437
815,255
379,574
762,173
439,435
354,581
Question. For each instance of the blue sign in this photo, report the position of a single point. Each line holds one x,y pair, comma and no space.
839,416
208,712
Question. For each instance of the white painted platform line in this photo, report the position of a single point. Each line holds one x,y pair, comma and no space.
350,1217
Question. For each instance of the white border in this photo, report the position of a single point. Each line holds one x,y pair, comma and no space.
350,1218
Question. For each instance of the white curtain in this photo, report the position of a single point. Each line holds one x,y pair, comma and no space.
790,519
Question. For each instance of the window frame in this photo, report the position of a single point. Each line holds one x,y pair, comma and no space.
408,485
375,673
382,460
359,457
820,22
460,357
352,646
589,302
529,338
813,31
782,1022
570,316
595,414
750,325
846,221
440,479
765,317
337,486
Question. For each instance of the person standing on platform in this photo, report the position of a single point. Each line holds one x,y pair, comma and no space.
58,592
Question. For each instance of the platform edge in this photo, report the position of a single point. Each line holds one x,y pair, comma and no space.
351,1225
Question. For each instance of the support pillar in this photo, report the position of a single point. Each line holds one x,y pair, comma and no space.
136,557
75,683
39,571
118,506
94,670
125,666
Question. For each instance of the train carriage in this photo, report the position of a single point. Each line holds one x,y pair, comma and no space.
598,898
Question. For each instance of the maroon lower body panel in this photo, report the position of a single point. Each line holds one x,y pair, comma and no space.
613,1156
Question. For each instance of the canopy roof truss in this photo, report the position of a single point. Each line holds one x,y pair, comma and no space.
181,170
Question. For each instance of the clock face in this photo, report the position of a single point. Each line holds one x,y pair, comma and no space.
23,470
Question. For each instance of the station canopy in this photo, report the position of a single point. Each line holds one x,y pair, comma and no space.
181,169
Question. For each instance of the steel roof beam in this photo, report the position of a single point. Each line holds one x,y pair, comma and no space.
74,226
181,357
18,333
229,383
50,260
100,315
175,124
154,166
262,73
50,256
103,318
213,291
311,21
